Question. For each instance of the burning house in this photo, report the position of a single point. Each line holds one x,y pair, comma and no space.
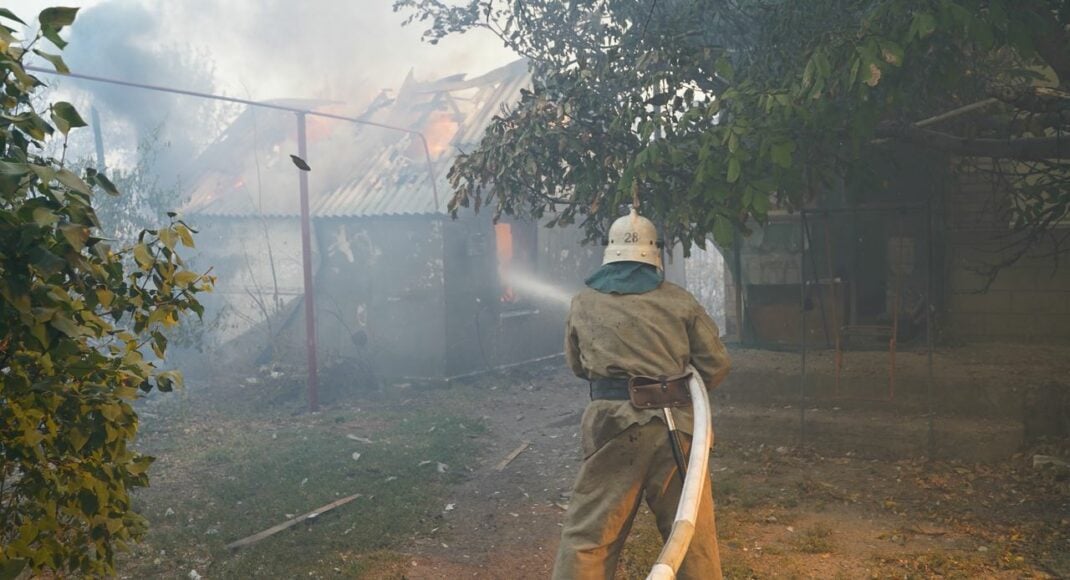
397,281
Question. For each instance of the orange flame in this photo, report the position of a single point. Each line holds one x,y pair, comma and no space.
503,236
439,132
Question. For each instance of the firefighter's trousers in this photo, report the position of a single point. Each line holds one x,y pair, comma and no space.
634,466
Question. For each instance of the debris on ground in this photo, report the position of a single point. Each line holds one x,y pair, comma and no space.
512,455
290,523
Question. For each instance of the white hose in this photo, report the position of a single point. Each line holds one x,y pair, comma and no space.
683,527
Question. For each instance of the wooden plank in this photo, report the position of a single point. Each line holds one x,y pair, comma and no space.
512,455
290,523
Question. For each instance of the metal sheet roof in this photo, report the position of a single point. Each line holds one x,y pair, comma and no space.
397,180
360,171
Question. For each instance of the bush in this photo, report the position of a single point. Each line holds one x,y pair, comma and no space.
75,318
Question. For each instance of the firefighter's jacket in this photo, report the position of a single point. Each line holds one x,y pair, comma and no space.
648,334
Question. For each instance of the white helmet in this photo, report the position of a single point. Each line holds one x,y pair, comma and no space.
633,238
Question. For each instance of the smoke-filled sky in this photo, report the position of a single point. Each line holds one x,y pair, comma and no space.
275,48
343,50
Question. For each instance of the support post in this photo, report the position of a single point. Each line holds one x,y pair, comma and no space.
803,276
737,279
306,263
931,234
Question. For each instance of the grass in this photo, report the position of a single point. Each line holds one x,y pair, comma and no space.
215,486
816,539
642,548
957,566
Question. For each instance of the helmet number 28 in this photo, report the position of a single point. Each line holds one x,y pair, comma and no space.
631,237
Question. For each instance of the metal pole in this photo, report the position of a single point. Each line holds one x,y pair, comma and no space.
817,274
929,329
306,262
802,326
737,259
302,152
251,103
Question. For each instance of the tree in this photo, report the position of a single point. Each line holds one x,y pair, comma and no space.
713,111
76,315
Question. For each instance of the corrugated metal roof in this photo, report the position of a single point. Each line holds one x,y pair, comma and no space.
359,171
397,180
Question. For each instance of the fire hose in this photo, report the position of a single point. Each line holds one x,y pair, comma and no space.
683,527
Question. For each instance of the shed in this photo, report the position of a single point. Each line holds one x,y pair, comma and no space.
399,284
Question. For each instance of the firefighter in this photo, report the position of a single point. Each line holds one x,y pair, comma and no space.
627,325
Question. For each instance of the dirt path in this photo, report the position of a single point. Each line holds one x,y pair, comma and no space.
782,514
861,508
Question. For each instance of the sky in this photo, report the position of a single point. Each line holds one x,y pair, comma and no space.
271,48
340,50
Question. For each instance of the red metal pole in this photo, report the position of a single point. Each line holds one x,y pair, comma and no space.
306,263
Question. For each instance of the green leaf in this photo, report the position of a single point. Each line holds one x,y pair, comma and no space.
723,232
12,568
5,13
53,36
44,217
6,39
760,203
66,117
76,235
73,182
781,153
185,235
16,169
143,257
872,74
104,183
734,170
55,59
923,25
140,464
723,67
57,17
892,53
67,326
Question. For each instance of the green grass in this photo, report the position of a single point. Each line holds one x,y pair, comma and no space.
247,479
642,548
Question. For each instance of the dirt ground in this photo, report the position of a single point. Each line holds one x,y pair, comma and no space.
847,511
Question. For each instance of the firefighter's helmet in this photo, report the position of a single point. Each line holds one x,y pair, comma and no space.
633,238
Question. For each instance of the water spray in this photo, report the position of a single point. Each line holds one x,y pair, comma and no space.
531,285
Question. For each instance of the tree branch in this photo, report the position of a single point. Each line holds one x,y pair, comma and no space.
1034,149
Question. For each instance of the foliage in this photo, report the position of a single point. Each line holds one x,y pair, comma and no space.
75,316
715,111
146,197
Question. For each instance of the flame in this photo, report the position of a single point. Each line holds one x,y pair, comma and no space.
503,236
439,132
318,128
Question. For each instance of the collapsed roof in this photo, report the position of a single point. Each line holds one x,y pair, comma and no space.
357,170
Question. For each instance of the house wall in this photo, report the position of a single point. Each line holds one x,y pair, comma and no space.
1029,300
257,264
379,292
380,295
471,296
483,331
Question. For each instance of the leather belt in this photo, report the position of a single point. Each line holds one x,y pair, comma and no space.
609,390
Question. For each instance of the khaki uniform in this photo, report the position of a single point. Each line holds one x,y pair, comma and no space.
627,457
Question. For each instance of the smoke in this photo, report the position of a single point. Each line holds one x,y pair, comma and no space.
120,39
339,50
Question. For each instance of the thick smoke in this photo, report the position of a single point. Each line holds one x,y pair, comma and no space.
337,50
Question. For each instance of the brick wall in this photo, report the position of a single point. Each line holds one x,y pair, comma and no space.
1027,301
